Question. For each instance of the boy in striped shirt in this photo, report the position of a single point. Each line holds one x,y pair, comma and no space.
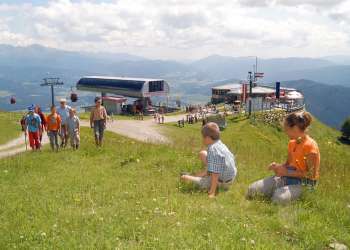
219,161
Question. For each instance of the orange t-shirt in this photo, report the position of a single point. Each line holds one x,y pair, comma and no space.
53,122
298,153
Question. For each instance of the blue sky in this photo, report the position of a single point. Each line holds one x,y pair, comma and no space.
181,29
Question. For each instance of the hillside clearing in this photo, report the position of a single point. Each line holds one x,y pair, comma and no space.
127,195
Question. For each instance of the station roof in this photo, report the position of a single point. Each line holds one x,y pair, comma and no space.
124,86
256,90
123,78
114,99
230,86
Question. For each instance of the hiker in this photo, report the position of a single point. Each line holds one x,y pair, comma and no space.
98,120
53,126
43,121
63,111
33,124
219,162
139,111
301,168
73,127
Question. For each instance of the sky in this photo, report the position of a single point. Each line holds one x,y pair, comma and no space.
181,29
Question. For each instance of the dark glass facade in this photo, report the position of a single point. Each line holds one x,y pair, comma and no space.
130,85
155,86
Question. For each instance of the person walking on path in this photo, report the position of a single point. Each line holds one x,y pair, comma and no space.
98,119
73,127
33,125
53,126
301,168
63,111
43,121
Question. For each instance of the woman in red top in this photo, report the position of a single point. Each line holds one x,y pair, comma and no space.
43,121
302,165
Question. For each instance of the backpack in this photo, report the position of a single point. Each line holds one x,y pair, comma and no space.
23,122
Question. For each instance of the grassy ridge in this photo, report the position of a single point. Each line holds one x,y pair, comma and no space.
10,127
127,195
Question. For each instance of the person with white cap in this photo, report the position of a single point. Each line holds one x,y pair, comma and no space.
63,111
33,125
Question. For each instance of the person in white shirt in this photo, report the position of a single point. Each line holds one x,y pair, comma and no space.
73,128
63,111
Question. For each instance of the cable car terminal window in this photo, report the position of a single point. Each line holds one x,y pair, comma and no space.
156,86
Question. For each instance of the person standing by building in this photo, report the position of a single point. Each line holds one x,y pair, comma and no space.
53,125
63,111
33,125
73,127
98,119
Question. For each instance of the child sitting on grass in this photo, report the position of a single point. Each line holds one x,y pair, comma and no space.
218,160
301,168
73,126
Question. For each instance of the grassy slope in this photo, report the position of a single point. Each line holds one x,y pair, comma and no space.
9,126
127,195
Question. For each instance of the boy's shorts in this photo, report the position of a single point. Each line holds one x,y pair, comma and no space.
204,182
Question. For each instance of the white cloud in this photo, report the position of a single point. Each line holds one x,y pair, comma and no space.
181,28
315,3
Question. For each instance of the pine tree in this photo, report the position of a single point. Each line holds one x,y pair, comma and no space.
346,128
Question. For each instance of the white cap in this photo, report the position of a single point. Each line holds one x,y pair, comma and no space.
63,100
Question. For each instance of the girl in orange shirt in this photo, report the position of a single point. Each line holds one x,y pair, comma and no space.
302,165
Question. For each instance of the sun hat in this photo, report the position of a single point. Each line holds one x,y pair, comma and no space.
31,108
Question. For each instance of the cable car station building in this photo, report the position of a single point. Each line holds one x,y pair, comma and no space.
140,88
263,97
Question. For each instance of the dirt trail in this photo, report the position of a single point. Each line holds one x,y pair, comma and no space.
17,146
147,131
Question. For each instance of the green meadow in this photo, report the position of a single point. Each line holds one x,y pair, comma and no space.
127,195
10,127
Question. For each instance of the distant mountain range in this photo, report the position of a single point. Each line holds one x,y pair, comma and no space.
22,68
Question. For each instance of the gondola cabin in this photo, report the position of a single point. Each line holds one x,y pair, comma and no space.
13,100
74,97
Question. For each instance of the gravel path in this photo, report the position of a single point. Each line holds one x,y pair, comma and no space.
17,146
146,131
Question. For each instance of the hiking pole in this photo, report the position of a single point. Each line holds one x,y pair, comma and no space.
25,139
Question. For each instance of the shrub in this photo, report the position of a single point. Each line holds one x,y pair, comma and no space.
346,128
273,117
